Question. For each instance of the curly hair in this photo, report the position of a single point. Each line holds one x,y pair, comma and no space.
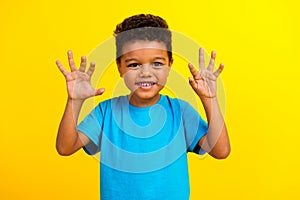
142,27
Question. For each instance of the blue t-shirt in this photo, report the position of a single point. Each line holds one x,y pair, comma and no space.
143,150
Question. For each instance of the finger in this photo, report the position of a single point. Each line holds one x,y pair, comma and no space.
193,70
82,64
61,68
212,61
219,70
71,61
99,91
193,83
201,59
91,69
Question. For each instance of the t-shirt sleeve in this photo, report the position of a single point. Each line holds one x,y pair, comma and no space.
91,127
195,128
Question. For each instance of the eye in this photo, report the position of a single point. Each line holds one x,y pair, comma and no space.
133,65
157,64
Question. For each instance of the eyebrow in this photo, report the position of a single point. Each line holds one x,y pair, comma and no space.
130,59
135,59
159,58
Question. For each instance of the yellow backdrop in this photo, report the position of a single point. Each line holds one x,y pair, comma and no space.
257,40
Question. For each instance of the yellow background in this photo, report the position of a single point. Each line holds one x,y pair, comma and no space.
257,40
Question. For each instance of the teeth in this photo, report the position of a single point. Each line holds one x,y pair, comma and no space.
143,84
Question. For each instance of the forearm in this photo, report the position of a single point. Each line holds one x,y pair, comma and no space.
216,142
67,135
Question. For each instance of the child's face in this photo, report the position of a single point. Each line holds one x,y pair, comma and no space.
145,67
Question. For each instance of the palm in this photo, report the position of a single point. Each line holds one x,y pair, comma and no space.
78,81
79,86
204,81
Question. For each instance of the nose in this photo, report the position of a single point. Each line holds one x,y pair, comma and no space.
145,71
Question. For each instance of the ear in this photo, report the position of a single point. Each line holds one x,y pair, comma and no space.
171,62
119,68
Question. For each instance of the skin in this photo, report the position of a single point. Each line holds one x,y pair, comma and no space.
216,141
145,67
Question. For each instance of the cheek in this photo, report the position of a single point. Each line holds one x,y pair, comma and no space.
163,76
162,81
129,79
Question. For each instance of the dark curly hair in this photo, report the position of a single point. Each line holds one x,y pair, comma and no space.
142,27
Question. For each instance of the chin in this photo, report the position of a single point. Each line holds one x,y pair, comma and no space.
144,98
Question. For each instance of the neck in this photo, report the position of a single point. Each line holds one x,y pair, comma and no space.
138,102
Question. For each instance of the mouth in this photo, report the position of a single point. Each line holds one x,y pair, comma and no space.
145,85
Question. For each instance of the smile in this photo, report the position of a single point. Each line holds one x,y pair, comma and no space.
145,84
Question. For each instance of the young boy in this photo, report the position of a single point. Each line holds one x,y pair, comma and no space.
143,137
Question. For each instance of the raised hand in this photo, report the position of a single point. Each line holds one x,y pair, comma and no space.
78,81
204,81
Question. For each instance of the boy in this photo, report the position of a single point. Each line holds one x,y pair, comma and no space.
143,137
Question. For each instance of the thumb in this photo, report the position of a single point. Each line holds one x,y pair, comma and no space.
99,91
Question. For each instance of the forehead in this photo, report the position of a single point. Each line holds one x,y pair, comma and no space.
139,46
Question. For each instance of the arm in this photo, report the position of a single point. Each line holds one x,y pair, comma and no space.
216,141
69,139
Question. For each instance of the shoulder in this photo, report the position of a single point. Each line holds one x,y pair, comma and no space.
112,100
176,102
108,103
